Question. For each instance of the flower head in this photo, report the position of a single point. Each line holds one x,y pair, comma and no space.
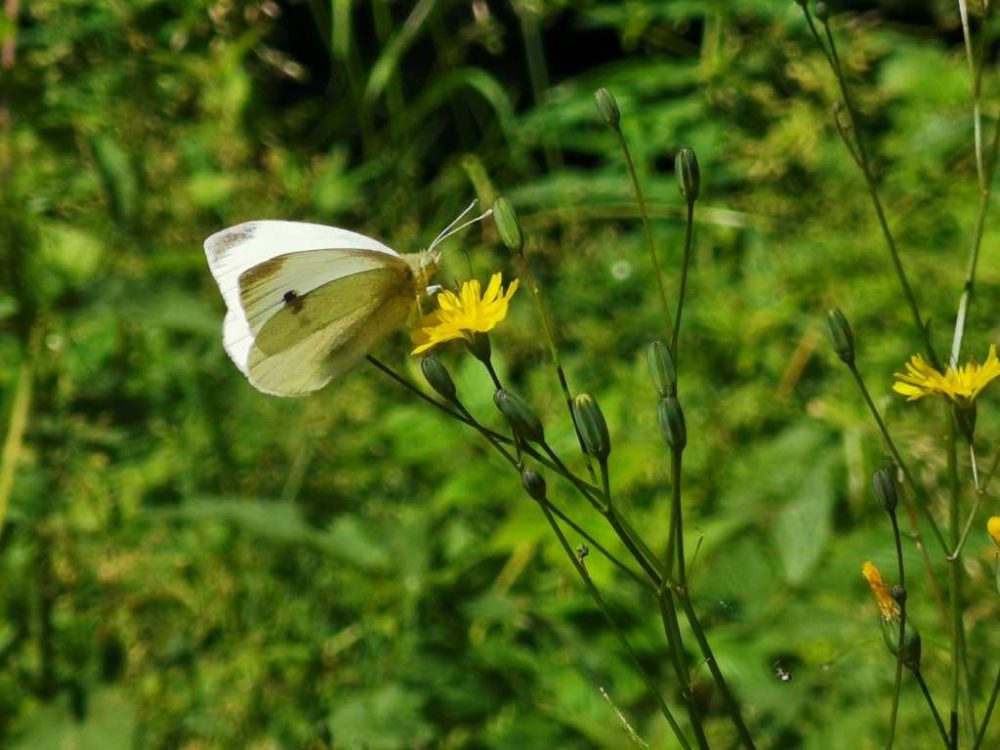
886,604
960,384
462,315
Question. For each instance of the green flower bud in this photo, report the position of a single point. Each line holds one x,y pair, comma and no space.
688,174
608,107
437,377
662,369
671,419
822,11
886,487
841,335
911,641
521,417
593,429
534,484
509,227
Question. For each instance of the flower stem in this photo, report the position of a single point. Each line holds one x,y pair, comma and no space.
917,489
536,294
647,232
720,681
898,681
688,234
989,713
830,51
581,570
933,708
958,655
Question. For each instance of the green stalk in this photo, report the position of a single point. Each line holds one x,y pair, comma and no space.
581,570
917,489
958,655
898,681
647,232
688,234
933,708
865,164
989,713
713,666
536,294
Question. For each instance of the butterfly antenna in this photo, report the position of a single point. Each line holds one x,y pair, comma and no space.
451,229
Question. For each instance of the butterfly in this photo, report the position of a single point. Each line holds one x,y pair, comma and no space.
306,302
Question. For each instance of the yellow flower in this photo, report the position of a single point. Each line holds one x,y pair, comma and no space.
959,384
462,315
886,604
993,529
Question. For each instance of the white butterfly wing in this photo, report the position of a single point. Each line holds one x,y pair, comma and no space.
233,251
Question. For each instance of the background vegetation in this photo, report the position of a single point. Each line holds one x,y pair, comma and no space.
187,563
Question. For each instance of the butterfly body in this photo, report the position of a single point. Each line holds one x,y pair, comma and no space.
306,302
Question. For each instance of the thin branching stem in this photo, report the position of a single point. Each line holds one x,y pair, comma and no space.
981,734
898,680
907,474
930,704
646,231
959,658
581,570
863,160
547,330
688,236
732,705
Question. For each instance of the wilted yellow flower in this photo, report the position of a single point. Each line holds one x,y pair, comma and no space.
993,529
462,315
959,384
886,604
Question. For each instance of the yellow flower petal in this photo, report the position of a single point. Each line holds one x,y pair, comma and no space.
465,314
958,384
886,604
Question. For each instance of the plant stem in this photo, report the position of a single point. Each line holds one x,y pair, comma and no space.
675,538
917,489
672,631
958,655
865,163
599,600
989,713
647,232
720,681
898,681
688,234
536,294
930,703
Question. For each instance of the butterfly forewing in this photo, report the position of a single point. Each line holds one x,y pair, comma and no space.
286,282
290,359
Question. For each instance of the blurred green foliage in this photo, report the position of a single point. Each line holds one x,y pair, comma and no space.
187,563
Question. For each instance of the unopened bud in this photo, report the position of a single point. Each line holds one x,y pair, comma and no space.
534,484
688,174
437,377
672,427
911,648
841,335
662,369
509,227
608,107
822,11
592,426
886,487
521,417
